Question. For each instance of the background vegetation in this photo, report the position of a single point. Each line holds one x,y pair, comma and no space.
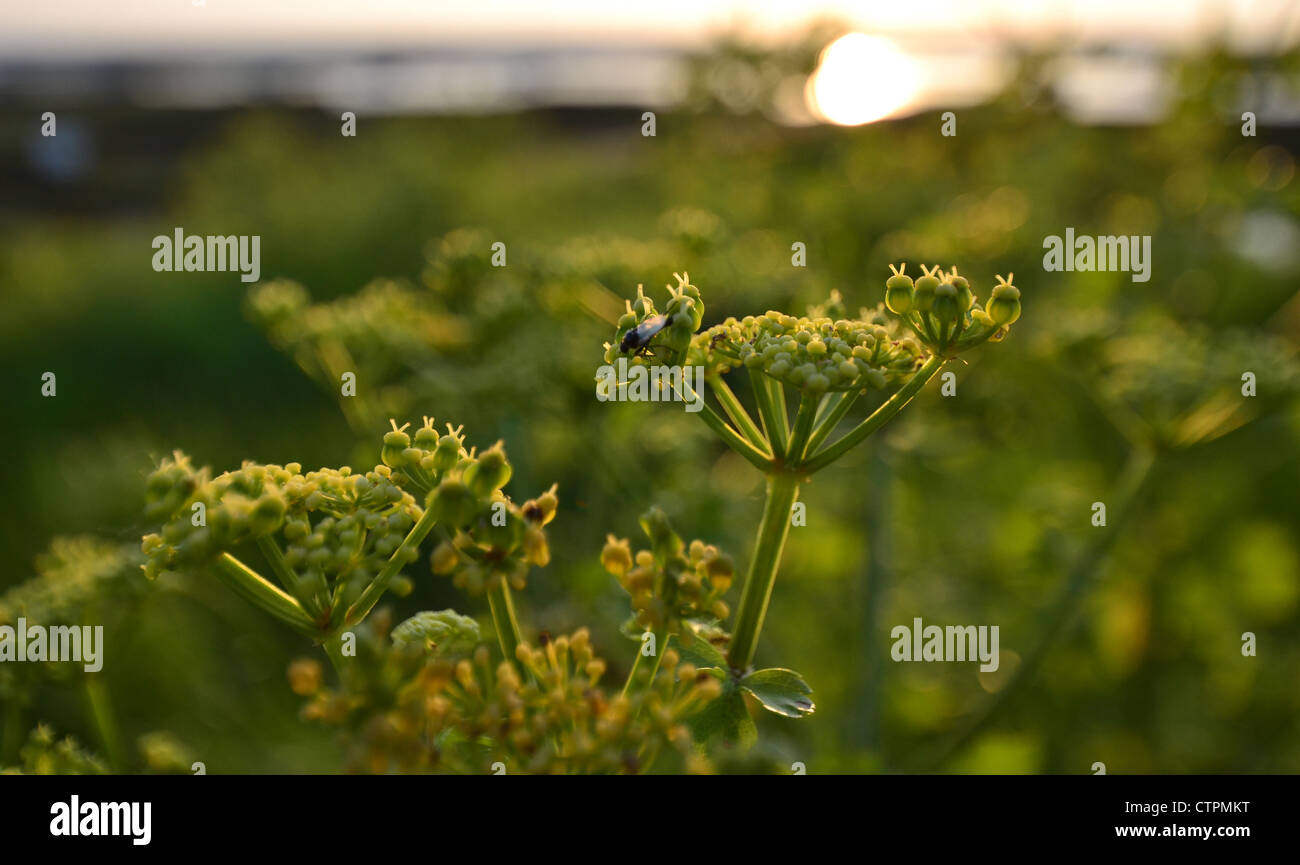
974,509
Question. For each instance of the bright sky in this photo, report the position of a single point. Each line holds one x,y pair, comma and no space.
57,28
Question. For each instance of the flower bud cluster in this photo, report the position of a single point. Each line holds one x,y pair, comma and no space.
43,754
674,588
1175,384
408,708
330,534
644,334
817,355
337,529
943,311
382,327
489,540
75,573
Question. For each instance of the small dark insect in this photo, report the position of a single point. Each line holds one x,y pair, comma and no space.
637,337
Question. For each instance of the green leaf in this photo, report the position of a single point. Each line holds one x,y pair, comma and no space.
442,632
781,691
726,718
699,651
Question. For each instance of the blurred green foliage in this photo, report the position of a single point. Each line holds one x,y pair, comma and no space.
972,509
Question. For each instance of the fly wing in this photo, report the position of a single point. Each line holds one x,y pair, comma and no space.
643,333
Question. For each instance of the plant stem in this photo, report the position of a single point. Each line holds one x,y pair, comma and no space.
803,425
1060,617
631,674
740,444
502,603
828,420
255,588
735,441
379,584
275,558
777,389
773,425
878,418
661,646
333,646
735,410
782,490
864,600
829,405
101,710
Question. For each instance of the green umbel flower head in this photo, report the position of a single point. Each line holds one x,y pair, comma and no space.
408,706
644,334
674,587
814,355
944,313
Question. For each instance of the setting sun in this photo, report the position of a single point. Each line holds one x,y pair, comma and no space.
861,79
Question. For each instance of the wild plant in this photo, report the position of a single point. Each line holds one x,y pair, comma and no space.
429,694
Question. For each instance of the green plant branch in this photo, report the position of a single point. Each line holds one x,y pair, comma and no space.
735,440
636,664
773,426
803,426
829,404
255,588
101,710
735,410
379,584
661,645
878,418
333,646
275,558
1082,576
336,360
864,599
837,406
777,388
502,604
782,490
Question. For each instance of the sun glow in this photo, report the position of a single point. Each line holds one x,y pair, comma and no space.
861,79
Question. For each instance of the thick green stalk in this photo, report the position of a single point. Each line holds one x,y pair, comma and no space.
864,597
735,410
782,490
504,620
255,588
379,584
878,418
